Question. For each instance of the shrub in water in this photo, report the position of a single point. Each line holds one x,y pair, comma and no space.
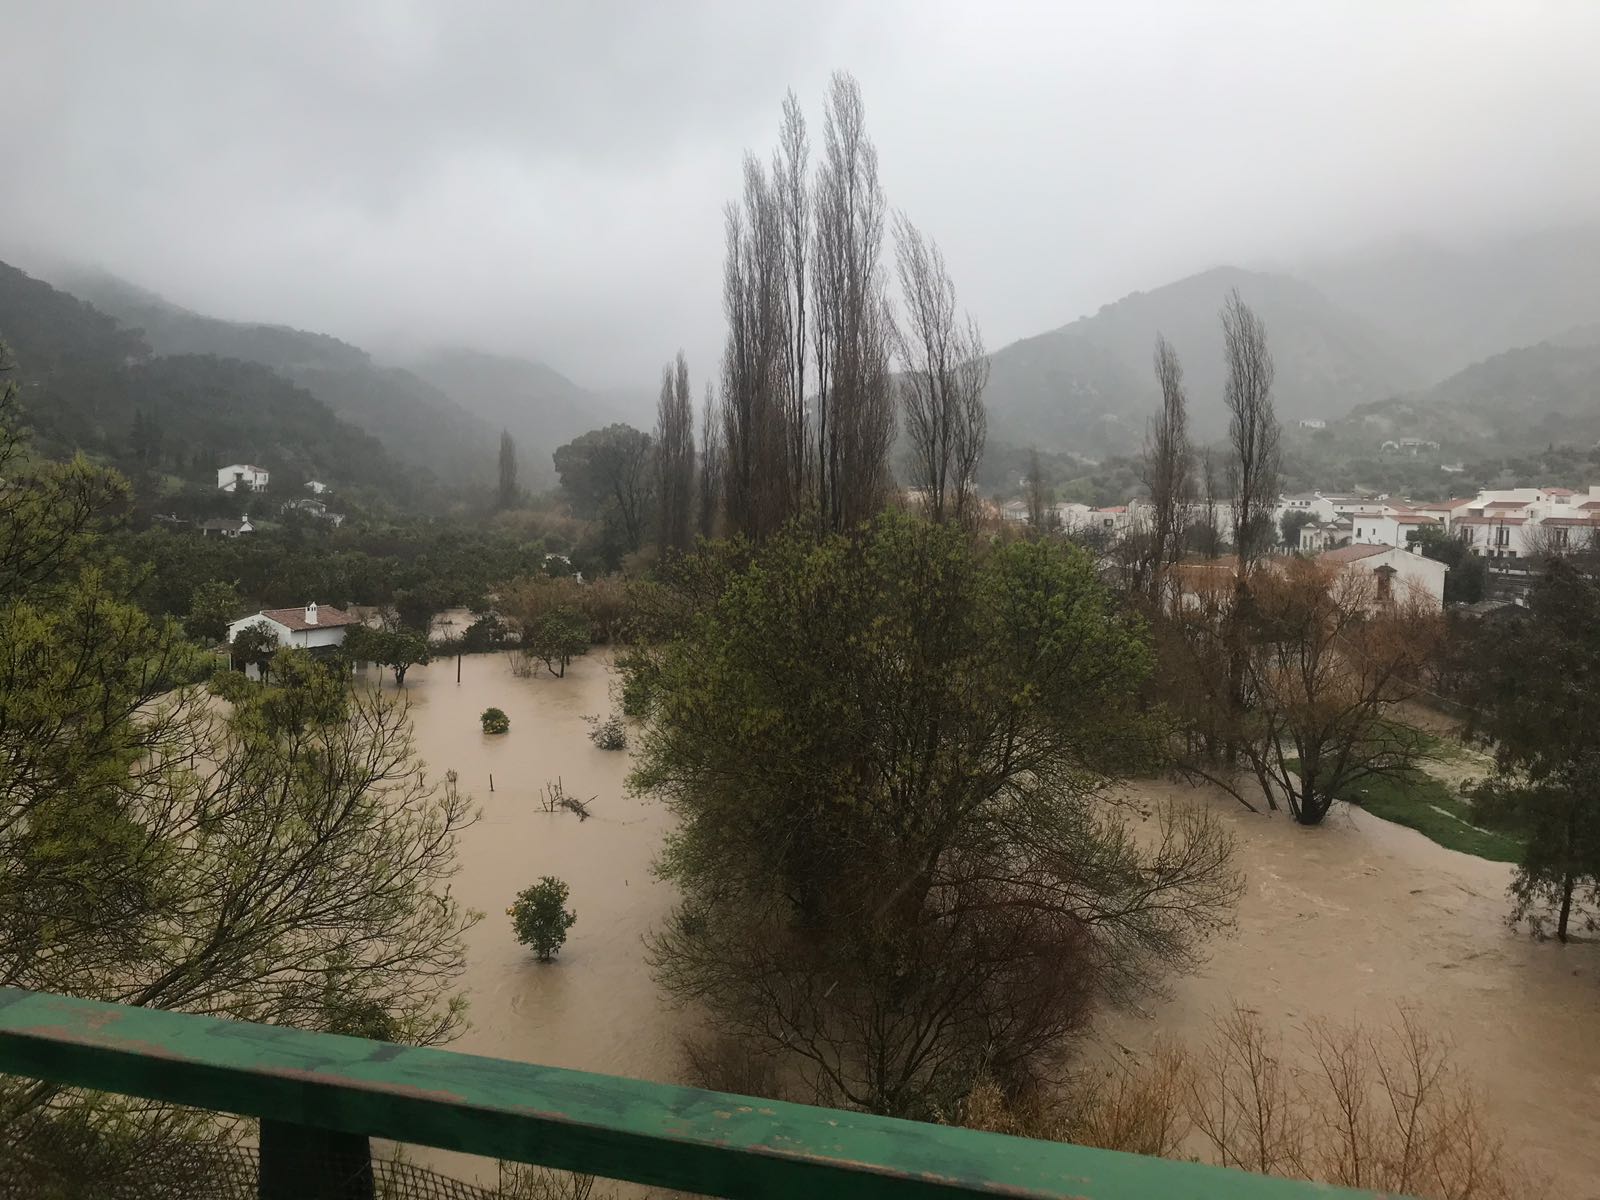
495,721
541,917
609,734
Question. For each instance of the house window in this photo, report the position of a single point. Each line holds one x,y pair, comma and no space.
1559,536
1502,536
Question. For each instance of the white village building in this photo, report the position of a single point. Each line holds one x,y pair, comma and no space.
231,477
313,627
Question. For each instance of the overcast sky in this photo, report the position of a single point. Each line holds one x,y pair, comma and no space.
547,178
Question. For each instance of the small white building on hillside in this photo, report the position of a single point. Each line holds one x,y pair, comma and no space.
1400,573
224,527
230,478
316,487
314,627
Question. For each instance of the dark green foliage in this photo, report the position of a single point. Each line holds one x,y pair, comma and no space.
557,637
888,756
1290,525
506,495
494,720
417,422
397,649
212,607
1537,697
438,564
254,645
1464,582
541,917
610,733
487,633
609,474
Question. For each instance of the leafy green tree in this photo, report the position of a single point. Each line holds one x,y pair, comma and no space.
541,917
557,637
301,875
610,474
397,649
1290,525
890,759
1537,696
254,645
1467,576
494,720
212,607
417,606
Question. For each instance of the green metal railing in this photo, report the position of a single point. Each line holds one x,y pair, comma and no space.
320,1096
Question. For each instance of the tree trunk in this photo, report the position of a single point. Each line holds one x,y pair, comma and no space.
1567,884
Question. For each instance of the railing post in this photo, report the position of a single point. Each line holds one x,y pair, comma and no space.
302,1162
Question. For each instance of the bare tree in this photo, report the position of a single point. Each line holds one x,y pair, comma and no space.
710,497
851,327
675,457
1167,467
944,372
754,361
1252,430
789,171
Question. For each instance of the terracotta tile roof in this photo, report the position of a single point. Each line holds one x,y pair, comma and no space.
1348,554
1558,491
1590,504
295,618
1416,518
1491,520
1506,504
1594,520
1455,502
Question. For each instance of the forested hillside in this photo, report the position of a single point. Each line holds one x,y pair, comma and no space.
417,423
1089,385
540,407
88,385
1528,397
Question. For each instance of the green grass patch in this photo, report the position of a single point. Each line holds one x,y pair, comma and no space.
1417,800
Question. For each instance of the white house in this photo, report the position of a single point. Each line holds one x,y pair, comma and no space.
1325,535
316,487
223,527
308,628
229,478
1400,573
1395,527
1014,511
1313,423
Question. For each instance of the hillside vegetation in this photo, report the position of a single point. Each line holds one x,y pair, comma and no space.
88,385
417,423
1089,385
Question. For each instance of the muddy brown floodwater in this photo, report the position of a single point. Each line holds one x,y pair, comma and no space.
1342,921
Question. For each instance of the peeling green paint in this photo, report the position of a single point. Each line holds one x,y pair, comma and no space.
650,1133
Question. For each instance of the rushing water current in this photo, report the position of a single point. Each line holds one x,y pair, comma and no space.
1344,921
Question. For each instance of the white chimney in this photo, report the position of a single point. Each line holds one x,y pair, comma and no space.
311,613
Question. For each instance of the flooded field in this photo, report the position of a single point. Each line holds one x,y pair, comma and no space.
595,1006
1343,921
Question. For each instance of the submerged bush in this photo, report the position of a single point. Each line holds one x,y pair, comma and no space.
609,734
494,720
541,917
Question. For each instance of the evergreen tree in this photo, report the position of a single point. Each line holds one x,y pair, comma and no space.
506,495
1538,698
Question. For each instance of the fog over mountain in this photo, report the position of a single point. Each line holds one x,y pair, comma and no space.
547,181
